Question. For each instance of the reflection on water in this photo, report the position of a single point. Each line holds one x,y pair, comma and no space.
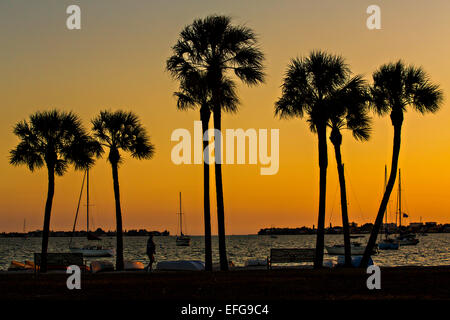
431,251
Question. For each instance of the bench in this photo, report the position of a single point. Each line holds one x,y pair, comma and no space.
59,261
290,255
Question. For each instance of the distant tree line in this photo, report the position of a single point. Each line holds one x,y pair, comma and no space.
428,227
98,232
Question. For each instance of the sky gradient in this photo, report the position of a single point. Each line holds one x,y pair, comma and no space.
117,61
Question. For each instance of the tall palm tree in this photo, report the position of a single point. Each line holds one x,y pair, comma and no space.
194,91
115,131
221,51
395,87
350,111
56,140
309,87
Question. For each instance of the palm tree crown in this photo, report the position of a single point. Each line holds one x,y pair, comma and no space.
55,139
122,130
396,86
308,84
350,109
196,91
214,47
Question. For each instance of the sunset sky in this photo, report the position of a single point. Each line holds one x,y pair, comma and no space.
117,61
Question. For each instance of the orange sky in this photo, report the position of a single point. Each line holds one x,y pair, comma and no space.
117,60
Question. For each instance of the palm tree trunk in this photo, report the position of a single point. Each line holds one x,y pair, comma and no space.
206,201
323,163
219,191
336,139
397,120
119,235
48,210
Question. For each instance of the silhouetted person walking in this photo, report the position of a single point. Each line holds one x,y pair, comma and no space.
151,250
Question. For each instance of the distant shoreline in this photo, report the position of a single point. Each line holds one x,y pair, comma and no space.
99,232
21,235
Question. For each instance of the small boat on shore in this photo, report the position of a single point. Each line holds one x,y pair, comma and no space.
130,265
19,266
101,266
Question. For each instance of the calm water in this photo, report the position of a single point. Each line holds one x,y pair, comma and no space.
431,251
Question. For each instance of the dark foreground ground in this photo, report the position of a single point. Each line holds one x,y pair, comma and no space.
285,293
426,283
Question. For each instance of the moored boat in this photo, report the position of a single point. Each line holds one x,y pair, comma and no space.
182,240
404,239
93,251
88,250
407,239
388,244
356,249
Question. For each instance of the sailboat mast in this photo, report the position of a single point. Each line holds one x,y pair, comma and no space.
399,199
181,219
385,211
87,201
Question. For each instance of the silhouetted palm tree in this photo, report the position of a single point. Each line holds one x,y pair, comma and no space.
116,131
309,87
397,86
218,49
194,91
56,140
349,111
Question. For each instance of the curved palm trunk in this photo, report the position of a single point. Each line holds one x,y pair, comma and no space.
48,210
119,235
219,192
397,120
206,201
336,139
323,163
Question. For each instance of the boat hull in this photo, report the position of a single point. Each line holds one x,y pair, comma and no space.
408,242
93,252
183,241
339,250
388,245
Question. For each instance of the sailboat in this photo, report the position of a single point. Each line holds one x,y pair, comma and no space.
404,239
387,243
88,250
182,240
356,248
